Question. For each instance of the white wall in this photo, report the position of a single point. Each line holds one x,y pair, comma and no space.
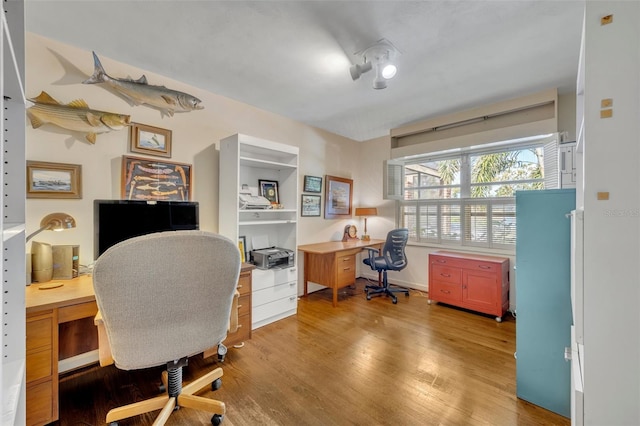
59,69
612,227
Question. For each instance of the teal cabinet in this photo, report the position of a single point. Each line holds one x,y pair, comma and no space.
543,297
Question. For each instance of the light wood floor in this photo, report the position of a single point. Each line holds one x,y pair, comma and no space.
362,363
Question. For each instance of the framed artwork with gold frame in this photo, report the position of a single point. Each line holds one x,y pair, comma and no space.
337,198
150,140
53,180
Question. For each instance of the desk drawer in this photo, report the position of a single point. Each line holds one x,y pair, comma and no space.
244,283
40,333
79,311
42,403
346,270
244,305
39,365
446,274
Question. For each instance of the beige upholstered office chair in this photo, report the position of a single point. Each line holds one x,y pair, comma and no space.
164,297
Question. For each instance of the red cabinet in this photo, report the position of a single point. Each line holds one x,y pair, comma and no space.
471,281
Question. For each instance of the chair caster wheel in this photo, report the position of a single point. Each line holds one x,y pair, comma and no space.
368,297
113,424
395,301
216,384
217,419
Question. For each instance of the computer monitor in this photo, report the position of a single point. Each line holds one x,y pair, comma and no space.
119,220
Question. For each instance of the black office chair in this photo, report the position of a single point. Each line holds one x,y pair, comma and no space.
392,258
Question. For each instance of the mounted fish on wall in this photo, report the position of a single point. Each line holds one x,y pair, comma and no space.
139,92
76,115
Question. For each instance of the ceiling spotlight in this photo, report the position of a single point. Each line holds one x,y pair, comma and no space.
379,56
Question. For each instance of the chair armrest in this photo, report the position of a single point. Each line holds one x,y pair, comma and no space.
233,321
104,348
372,255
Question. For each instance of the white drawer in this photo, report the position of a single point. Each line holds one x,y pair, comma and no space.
272,293
263,278
282,276
273,311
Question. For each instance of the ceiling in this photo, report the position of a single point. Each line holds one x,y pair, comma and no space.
293,57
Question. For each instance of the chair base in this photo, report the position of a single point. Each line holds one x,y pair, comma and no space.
167,404
374,290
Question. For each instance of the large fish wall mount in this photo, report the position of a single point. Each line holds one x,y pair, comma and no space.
76,116
139,92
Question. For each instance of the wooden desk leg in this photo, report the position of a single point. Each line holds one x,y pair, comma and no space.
306,263
335,296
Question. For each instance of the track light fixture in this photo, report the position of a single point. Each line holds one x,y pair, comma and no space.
379,56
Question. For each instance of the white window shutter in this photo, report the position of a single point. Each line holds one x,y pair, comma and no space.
550,152
393,175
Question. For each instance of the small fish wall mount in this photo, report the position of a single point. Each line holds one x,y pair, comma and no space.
76,116
139,92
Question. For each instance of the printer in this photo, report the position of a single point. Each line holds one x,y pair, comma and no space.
272,257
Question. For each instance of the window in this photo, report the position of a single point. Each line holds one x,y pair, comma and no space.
467,197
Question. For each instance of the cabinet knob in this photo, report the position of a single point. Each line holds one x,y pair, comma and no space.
239,286
445,275
445,291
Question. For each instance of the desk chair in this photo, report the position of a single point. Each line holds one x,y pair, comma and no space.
164,297
392,258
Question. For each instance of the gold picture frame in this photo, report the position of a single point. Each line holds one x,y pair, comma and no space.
337,197
150,140
150,179
53,180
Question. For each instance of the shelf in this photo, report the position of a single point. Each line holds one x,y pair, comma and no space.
12,382
265,222
265,164
268,211
10,230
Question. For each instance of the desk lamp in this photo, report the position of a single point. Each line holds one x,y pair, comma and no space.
40,263
54,222
366,211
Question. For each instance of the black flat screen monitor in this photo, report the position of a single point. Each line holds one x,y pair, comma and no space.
119,220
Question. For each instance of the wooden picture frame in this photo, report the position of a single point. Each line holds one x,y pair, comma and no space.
309,205
269,190
312,184
53,180
150,140
337,198
149,179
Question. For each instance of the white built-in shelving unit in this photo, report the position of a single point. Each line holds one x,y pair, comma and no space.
12,208
244,160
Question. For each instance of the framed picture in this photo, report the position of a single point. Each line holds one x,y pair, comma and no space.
53,180
312,184
337,198
147,179
310,205
269,190
150,140
242,246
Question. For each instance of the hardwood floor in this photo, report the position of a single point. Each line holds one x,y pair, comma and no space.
362,363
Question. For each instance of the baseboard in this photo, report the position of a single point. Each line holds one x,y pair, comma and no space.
401,283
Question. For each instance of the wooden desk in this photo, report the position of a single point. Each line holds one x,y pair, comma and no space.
333,264
60,326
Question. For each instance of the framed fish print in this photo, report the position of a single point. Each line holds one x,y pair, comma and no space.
337,198
150,140
148,179
53,180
